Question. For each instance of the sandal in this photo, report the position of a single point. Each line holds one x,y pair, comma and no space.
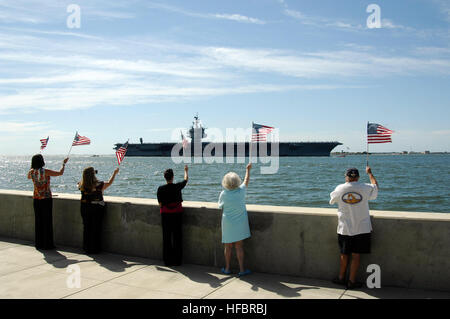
225,272
245,273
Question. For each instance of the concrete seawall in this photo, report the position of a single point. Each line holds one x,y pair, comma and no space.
412,249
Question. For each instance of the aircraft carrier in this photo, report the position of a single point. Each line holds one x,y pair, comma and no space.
197,146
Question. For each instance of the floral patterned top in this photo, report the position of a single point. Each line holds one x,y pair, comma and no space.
41,184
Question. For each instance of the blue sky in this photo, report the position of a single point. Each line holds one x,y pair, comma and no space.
140,68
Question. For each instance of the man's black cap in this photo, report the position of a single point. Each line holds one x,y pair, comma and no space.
352,172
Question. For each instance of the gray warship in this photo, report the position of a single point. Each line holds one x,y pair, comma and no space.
197,132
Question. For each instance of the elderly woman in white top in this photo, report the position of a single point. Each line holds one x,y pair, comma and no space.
235,227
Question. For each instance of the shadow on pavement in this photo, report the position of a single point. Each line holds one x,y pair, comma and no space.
117,263
279,287
198,274
58,260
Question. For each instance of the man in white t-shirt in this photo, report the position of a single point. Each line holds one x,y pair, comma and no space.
354,226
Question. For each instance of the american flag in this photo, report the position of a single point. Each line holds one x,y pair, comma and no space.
184,141
44,143
377,133
80,140
260,132
120,153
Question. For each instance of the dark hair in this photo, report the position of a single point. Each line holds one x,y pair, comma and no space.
352,173
168,174
37,161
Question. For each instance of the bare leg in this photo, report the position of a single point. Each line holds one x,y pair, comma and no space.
343,269
354,267
240,254
228,250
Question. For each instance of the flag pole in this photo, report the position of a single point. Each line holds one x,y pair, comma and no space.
367,160
182,141
251,145
71,146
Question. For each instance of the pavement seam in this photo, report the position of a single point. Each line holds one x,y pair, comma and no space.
33,266
176,293
229,282
64,297
345,291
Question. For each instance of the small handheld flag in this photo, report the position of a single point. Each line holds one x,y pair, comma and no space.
120,153
80,140
44,143
377,133
259,133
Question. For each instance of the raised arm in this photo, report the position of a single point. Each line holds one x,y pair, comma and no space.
373,180
57,173
186,175
111,180
247,174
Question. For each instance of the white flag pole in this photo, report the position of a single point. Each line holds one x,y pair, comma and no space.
71,145
251,145
182,141
367,161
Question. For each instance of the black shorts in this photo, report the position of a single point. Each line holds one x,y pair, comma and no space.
358,244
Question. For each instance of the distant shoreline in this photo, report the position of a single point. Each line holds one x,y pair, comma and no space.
332,154
389,153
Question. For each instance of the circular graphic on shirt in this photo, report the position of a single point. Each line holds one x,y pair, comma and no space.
352,198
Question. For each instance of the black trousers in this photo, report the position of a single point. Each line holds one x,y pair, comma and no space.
172,238
43,223
92,215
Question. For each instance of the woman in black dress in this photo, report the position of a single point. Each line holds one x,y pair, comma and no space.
93,208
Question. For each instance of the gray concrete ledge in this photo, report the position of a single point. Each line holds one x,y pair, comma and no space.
410,247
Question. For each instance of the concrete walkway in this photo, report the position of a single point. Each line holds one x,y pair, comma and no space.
28,273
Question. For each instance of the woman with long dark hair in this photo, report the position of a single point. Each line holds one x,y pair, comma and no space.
42,201
93,208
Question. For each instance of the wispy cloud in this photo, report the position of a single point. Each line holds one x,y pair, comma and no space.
74,72
389,24
444,7
319,21
50,12
326,64
238,18
85,77
225,16
325,22
13,126
441,132
59,33
136,93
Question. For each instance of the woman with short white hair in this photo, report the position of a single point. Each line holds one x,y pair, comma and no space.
235,227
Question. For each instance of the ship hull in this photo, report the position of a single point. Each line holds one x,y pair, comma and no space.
232,149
